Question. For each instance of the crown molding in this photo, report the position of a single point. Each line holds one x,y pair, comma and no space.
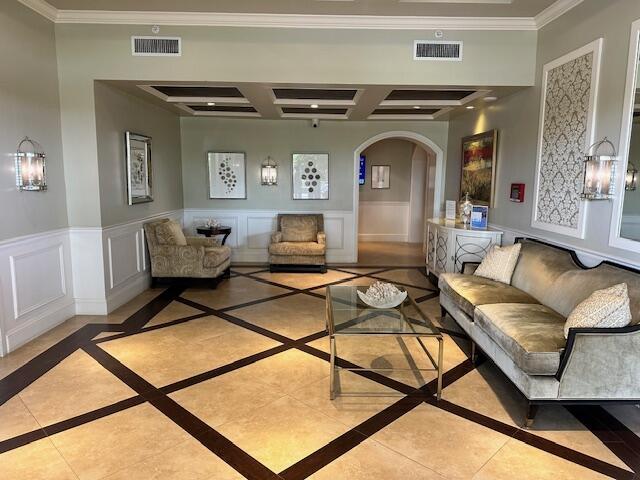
212,19
554,11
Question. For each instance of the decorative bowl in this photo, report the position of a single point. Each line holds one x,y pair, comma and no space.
388,302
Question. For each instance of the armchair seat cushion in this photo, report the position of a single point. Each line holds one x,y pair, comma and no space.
531,335
470,291
297,248
215,256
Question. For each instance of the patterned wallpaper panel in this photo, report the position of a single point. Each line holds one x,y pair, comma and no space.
564,135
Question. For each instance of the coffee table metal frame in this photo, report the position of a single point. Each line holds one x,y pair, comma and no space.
437,366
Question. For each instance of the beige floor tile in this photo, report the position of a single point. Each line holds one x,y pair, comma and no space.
366,281
360,270
304,280
187,461
282,432
173,311
371,398
15,419
518,460
174,353
431,308
75,386
294,317
234,291
372,461
227,397
390,253
452,446
289,371
36,461
118,441
410,276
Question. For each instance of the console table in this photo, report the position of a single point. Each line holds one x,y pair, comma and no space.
451,244
211,231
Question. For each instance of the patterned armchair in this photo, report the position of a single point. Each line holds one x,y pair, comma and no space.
184,257
299,244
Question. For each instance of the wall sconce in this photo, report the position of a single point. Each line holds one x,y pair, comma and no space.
30,166
269,172
599,172
631,180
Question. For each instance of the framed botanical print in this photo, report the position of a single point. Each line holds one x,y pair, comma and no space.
139,171
310,176
479,156
380,176
227,175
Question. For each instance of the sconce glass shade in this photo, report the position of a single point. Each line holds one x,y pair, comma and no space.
599,173
30,167
631,180
269,172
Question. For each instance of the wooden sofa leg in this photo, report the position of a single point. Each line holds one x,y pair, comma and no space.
532,410
227,273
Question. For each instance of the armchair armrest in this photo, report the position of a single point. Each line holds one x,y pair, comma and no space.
185,253
276,237
469,268
203,242
601,363
322,238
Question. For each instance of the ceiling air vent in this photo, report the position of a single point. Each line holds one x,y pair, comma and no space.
156,46
437,50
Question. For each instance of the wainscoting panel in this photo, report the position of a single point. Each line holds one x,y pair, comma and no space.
252,232
383,221
36,286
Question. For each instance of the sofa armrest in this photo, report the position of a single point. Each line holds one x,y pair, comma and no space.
469,268
276,237
322,238
185,253
206,242
601,363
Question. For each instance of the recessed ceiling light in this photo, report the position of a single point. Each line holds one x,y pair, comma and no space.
490,99
417,107
314,105
470,107
211,104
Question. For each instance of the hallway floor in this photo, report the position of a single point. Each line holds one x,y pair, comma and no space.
232,383
390,253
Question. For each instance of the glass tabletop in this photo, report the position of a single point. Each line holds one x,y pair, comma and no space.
348,315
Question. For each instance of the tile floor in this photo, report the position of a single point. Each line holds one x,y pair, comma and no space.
233,383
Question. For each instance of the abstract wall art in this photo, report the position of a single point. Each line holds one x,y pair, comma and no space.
310,176
227,175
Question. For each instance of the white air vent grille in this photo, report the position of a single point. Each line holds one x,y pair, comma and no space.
437,50
156,46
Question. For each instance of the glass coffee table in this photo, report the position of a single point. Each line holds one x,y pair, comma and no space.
347,315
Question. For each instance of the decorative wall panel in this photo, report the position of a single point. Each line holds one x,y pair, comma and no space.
570,86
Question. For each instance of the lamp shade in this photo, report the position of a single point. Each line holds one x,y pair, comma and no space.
631,179
30,166
599,173
269,172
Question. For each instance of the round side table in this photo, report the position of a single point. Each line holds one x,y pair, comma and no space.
211,231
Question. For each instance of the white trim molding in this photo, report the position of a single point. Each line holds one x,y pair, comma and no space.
383,221
217,19
615,239
594,48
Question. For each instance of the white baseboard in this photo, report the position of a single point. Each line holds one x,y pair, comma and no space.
38,325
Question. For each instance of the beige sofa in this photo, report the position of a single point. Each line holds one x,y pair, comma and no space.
201,258
520,327
299,244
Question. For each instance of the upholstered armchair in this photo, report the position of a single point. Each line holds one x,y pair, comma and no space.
299,244
175,256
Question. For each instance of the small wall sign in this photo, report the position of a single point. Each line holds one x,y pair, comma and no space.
517,192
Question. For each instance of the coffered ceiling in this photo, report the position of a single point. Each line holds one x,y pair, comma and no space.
329,102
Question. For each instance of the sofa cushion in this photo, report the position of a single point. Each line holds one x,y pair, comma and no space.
469,291
499,263
531,335
215,256
297,248
170,233
606,308
299,228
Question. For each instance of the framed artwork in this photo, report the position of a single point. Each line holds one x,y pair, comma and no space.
310,174
139,171
479,155
380,176
227,175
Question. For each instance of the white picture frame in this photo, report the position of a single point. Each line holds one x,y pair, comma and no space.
139,168
537,220
380,177
227,174
310,176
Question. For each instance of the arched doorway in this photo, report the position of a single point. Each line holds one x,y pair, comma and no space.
413,137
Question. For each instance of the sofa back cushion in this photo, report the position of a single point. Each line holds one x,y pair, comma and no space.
299,228
551,276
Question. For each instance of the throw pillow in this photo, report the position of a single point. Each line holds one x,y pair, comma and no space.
500,263
607,308
170,233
